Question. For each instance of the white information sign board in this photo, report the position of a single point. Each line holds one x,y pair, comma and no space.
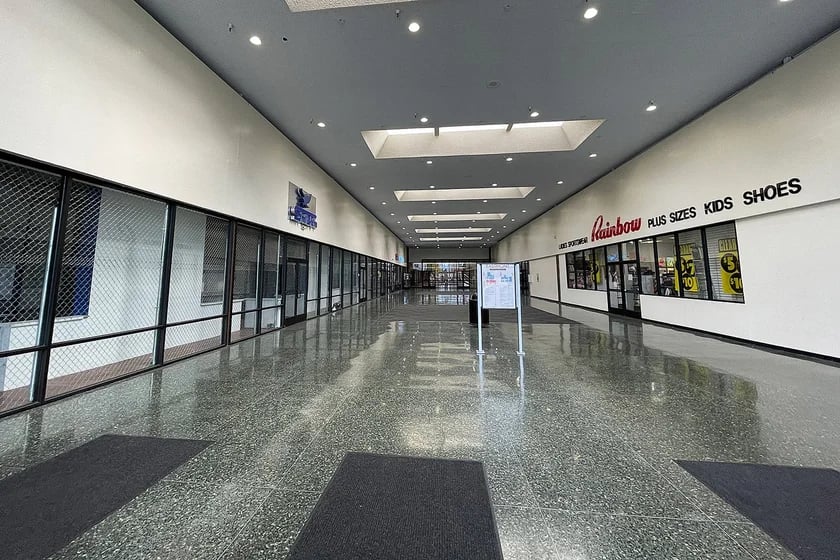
498,285
498,288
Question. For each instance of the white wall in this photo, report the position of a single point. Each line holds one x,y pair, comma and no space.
786,125
586,298
99,87
544,278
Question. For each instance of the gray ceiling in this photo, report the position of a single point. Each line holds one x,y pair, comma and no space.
359,68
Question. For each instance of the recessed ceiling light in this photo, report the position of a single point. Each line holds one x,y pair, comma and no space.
434,202
255,40
504,227
539,199
508,159
384,203
372,187
483,201
428,162
590,13
431,186
434,213
495,185
523,211
424,120
559,182
400,223
651,107
513,219
593,155
353,164
321,124
535,114
414,27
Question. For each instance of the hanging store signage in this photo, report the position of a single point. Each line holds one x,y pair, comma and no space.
730,267
302,207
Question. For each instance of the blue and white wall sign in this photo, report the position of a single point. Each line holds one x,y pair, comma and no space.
302,207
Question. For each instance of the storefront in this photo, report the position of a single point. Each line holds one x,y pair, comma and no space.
700,263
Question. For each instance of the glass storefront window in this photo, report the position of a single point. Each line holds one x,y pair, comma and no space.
691,265
612,253
724,263
647,266
666,266
628,250
599,269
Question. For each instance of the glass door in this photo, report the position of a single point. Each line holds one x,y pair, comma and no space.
623,280
363,278
615,286
294,290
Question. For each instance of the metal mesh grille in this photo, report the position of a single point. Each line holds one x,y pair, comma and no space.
26,217
88,363
15,379
242,325
271,281
186,340
197,281
110,274
245,265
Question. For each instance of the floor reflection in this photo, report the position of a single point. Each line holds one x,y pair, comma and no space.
577,436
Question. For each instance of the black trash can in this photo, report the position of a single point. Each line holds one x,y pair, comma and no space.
485,313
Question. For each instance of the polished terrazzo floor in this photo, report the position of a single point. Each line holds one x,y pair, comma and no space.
577,438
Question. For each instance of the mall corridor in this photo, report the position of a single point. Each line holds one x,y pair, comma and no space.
577,440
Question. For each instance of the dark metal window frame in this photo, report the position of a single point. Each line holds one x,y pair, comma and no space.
47,316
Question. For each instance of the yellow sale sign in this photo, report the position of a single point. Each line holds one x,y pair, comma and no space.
730,267
686,272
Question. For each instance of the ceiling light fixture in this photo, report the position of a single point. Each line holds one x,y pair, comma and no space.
384,203
424,120
392,213
414,27
593,155
372,188
651,107
428,162
539,199
508,159
559,182
495,185
524,211
590,12
483,201
431,186
353,164
434,202
321,124
535,114
255,40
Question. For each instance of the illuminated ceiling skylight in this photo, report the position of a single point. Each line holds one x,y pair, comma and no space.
454,217
425,195
455,230
312,5
439,239
483,139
